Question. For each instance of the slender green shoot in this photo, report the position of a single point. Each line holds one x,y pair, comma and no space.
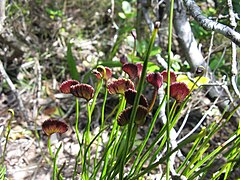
55,169
168,85
113,133
7,136
49,147
136,101
78,138
99,85
137,164
87,139
102,121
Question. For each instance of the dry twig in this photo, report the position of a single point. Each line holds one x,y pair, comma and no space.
234,70
14,90
2,13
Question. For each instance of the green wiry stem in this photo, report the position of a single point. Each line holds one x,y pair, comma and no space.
8,132
102,121
49,147
59,176
99,85
173,111
103,106
137,163
77,121
113,132
136,101
87,139
54,158
168,85
88,124
78,138
161,160
55,169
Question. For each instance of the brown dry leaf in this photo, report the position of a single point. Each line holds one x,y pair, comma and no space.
18,132
49,110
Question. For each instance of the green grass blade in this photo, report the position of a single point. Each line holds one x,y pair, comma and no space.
161,160
192,150
72,63
210,156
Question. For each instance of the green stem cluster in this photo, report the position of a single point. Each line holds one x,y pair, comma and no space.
129,137
78,138
56,172
114,133
102,120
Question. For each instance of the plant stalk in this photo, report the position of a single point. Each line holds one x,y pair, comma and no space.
168,86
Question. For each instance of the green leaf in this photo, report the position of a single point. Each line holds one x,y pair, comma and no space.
130,41
184,78
155,51
203,80
126,7
123,32
152,67
2,172
72,63
134,58
122,15
141,47
53,13
214,63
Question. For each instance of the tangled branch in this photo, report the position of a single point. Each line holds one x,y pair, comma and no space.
210,24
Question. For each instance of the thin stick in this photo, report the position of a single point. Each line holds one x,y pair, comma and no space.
199,123
14,90
234,69
8,132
